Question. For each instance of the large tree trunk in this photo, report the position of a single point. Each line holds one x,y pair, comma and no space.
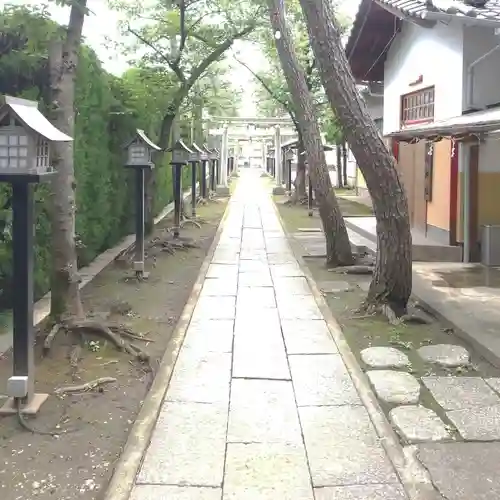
65,292
339,164
338,247
392,279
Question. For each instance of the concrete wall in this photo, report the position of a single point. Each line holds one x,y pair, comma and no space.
489,182
486,73
436,54
486,91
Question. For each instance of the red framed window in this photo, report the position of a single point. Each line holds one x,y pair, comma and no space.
417,107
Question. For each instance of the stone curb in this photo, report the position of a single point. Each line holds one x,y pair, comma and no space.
41,308
414,478
127,467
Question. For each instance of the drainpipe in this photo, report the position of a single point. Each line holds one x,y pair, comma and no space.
465,157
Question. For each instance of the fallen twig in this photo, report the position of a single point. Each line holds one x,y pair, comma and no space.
88,386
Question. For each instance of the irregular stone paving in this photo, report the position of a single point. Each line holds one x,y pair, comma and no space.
384,357
445,355
418,424
395,387
460,393
260,405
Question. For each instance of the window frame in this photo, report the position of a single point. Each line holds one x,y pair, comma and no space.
415,107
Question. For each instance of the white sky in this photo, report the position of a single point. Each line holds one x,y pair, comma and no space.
103,23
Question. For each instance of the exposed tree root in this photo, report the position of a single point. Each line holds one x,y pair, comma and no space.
355,269
170,244
88,386
112,333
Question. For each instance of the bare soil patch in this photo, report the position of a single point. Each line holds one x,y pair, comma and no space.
93,425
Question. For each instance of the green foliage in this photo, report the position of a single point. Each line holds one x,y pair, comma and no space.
108,110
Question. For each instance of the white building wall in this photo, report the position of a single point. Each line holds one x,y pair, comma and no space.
486,74
436,54
486,85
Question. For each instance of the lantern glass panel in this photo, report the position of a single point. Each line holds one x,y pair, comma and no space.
178,156
42,155
13,149
138,153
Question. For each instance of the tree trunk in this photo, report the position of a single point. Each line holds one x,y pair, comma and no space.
65,292
392,279
339,164
344,163
338,247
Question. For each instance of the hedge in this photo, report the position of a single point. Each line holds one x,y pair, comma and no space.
105,119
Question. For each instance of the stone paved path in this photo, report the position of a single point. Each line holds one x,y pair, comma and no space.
260,405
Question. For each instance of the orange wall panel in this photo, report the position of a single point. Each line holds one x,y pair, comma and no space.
438,210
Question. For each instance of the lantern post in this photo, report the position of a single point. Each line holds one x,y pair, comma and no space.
25,142
181,155
140,156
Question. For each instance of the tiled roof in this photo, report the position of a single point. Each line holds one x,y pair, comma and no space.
459,8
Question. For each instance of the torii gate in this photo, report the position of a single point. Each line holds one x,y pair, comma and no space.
232,131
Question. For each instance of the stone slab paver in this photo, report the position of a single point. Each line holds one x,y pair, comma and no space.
295,285
322,379
211,335
222,271
361,492
395,387
288,270
215,308
263,411
201,377
298,307
258,471
307,336
459,393
259,278
218,287
418,424
481,423
445,355
256,297
187,446
463,471
158,492
494,383
384,357
263,358
343,448
235,424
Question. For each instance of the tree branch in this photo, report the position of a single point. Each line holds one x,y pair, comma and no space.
173,65
268,89
218,51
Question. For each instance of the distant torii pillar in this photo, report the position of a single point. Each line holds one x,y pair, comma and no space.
278,189
223,188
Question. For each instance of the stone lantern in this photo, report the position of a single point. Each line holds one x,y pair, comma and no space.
26,137
140,155
141,150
